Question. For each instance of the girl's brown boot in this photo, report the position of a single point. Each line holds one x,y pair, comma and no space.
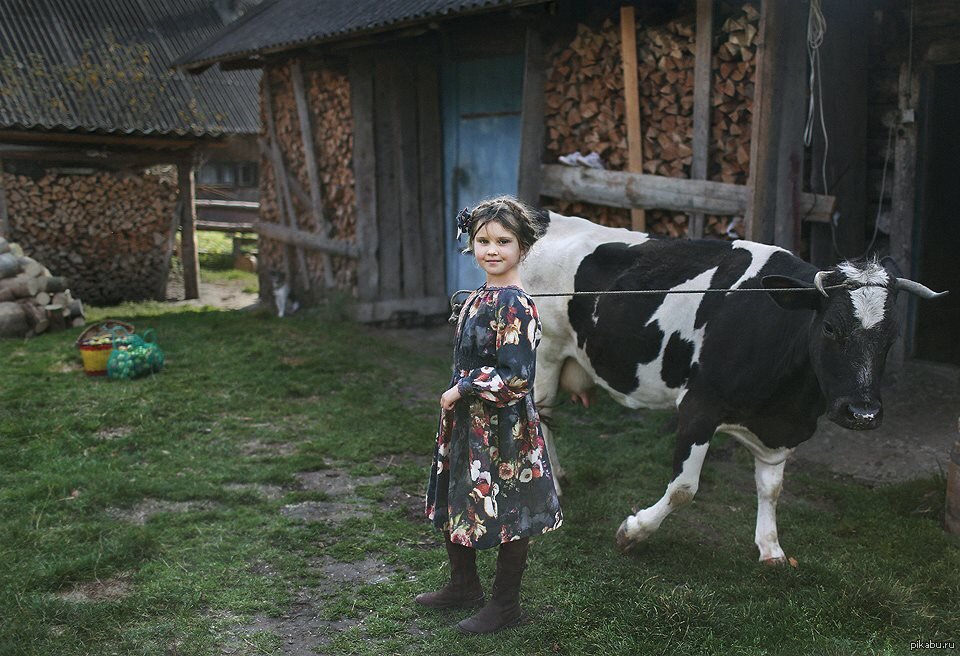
464,589
503,610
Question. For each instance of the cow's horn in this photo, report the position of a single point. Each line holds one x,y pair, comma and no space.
818,282
917,289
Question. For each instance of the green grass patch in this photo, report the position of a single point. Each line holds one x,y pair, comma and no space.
215,251
248,399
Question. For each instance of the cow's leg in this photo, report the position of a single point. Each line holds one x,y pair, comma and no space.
769,483
544,396
768,474
693,440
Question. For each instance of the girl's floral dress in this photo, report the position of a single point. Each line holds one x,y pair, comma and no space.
491,481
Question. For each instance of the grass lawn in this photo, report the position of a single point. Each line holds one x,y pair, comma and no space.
262,495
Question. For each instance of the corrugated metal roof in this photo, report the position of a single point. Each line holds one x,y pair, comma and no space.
103,66
283,24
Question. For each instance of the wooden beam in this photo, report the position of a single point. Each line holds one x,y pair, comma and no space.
701,105
76,156
308,240
161,143
364,173
310,158
285,206
188,229
531,119
904,198
631,93
240,205
630,190
773,213
224,226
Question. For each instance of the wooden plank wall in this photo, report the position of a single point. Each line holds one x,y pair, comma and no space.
844,58
397,163
431,172
364,171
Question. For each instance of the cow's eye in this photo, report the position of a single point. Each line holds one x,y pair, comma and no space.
829,330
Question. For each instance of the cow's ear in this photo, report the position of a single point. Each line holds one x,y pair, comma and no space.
890,266
783,290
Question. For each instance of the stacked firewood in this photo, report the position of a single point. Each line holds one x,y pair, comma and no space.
328,97
734,68
32,300
109,234
585,106
585,109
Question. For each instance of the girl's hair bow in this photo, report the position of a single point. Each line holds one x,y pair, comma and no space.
464,219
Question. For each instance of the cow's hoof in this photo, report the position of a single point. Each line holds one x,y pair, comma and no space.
625,542
774,562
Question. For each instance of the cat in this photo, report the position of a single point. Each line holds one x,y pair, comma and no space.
281,294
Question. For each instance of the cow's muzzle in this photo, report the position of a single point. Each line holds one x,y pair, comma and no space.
858,415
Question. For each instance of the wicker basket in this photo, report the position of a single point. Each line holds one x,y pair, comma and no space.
95,356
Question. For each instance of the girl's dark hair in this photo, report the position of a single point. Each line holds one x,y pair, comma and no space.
527,223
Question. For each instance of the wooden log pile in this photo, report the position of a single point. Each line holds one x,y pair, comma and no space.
327,92
585,108
108,234
33,300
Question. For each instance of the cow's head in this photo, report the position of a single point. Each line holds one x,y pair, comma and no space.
851,333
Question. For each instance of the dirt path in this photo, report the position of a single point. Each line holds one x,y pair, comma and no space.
226,294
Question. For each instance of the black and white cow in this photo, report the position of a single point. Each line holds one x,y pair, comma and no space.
761,367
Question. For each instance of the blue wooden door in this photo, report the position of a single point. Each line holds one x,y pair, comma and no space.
481,146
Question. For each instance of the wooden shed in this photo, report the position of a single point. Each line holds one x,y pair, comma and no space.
87,104
381,119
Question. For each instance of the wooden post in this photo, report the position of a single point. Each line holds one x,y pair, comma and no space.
531,119
364,172
701,105
188,228
779,108
631,92
310,157
288,213
902,210
171,249
4,217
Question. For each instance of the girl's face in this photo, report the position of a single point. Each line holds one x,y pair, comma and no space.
497,250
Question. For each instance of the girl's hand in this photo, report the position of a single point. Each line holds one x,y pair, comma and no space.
450,398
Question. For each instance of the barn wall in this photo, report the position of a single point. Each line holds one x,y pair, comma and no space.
328,95
585,108
109,234
934,22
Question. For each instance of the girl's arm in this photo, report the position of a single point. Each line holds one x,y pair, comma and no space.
509,380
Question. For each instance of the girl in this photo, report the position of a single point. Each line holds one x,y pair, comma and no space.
491,482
